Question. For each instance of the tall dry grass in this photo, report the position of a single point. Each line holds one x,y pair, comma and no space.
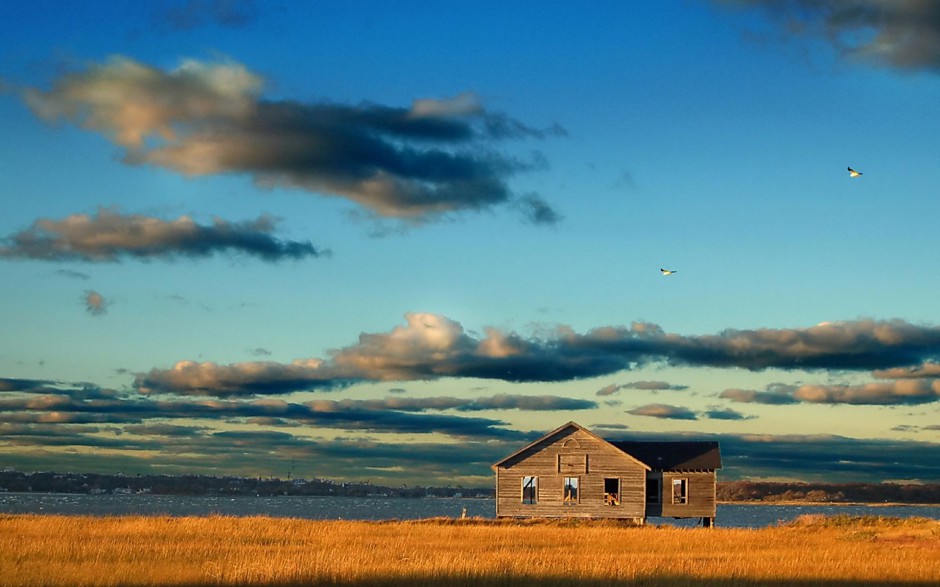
59,550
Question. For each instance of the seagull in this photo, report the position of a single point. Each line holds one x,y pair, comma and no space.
666,271
853,173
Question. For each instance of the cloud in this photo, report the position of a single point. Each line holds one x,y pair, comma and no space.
192,14
821,457
641,385
912,391
608,390
422,404
42,423
537,211
664,411
110,236
725,414
63,272
929,369
208,118
431,347
59,406
900,392
902,34
775,395
95,303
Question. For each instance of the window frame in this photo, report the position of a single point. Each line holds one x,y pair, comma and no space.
534,498
613,499
682,482
565,500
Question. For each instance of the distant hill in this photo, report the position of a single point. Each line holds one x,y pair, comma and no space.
767,492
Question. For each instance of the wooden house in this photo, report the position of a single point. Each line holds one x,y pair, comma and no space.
572,472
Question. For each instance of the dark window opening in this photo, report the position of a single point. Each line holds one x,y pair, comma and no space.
652,491
612,491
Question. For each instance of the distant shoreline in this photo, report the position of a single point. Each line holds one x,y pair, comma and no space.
791,503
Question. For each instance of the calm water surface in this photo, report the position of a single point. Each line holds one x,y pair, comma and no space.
385,508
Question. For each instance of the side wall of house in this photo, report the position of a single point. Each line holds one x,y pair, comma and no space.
700,495
572,453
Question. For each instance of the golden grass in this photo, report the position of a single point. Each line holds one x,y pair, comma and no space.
61,550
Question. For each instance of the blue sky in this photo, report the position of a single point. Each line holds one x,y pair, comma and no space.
398,241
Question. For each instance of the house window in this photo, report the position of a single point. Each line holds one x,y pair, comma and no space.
530,490
652,490
611,491
680,491
571,490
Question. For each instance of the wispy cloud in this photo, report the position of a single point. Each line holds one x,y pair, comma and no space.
641,385
66,272
192,14
902,34
109,236
206,118
537,211
95,303
431,346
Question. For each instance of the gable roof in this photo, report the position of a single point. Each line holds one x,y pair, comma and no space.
674,456
559,430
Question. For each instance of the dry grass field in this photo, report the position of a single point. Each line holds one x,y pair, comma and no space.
60,550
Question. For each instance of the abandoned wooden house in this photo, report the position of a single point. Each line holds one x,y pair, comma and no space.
572,472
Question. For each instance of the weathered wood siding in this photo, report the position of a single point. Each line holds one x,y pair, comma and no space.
571,453
700,496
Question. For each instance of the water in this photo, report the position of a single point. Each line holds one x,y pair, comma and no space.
387,508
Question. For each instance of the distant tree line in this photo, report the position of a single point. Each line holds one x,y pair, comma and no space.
759,491
730,491
93,483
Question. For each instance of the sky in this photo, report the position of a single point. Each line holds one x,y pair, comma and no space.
396,242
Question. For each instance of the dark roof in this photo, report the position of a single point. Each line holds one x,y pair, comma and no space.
674,456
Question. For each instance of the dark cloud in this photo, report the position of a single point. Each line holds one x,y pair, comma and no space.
725,414
24,385
110,236
826,458
432,346
903,34
434,158
537,211
776,395
393,415
192,14
168,430
150,438
664,411
95,303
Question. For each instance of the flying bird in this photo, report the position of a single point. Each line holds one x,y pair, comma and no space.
853,173
666,271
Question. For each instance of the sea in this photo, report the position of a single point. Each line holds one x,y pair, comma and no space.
391,508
